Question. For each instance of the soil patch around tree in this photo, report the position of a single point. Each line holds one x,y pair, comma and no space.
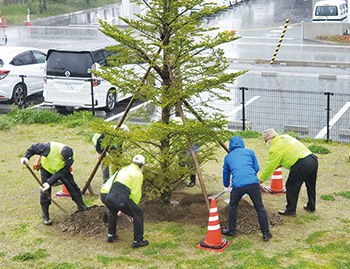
185,208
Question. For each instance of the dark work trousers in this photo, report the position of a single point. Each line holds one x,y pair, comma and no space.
131,209
105,172
304,170
253,190
112,221
67,178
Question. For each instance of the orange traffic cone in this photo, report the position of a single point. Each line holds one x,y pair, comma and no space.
213,241
276,187
64,193
28,19
3,24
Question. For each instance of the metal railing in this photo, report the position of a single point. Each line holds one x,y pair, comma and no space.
320,115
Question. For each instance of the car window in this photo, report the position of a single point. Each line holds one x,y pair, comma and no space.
39,56
100,57
76,63
24,58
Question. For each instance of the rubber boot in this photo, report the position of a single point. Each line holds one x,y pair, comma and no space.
46,216
192,181
82,206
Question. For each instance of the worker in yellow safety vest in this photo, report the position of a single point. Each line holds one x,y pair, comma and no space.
56,160
121,193
97,143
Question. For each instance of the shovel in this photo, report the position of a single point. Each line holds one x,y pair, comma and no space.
217,195
228,199
41,185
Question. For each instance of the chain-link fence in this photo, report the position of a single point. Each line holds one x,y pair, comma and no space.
322,115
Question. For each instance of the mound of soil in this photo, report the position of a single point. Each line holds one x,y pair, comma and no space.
185,208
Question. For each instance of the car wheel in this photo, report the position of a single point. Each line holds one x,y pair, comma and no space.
19,94
111,100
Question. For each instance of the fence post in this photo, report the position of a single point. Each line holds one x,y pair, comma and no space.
243,107
24,91
92,96
328,109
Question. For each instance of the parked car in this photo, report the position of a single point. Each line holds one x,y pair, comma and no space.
18,61
68,80
330,11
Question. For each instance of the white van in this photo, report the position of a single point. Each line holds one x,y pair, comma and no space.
69,83
330,11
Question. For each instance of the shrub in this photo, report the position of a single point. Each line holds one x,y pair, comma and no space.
31,116
319,149
327,197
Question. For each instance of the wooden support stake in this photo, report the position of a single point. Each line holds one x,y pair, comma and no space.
87,184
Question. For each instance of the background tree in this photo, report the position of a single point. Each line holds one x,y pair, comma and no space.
190,52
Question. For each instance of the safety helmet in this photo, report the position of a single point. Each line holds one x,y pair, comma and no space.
139,159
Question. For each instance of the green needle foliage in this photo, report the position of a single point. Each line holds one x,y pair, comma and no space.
186,67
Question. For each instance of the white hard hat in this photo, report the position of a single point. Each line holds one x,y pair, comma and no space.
139,159
125,128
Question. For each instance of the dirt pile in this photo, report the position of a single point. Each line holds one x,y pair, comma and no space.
185,208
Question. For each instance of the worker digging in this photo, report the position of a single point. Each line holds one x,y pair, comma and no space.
56,160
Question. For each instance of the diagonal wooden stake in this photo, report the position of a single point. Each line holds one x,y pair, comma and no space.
199,118
87,185
41,185
193,154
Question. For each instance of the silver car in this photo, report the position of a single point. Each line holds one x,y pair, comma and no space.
19,64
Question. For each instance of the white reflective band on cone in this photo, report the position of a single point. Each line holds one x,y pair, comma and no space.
213,210
213,218
214,228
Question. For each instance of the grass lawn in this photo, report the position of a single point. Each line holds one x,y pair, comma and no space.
319,240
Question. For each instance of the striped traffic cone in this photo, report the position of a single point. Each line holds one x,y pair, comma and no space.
3,24
213,241
28,19
276,187
64,193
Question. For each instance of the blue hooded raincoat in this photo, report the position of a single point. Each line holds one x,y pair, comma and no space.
241,164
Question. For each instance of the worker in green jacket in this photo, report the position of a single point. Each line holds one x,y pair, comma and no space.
293,155
122,193
56,160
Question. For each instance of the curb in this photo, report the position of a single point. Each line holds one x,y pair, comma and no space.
290,63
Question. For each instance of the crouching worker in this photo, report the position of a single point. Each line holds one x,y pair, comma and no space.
242,166
56,160
122,192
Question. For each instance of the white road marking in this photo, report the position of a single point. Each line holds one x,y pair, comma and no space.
240,107
333,120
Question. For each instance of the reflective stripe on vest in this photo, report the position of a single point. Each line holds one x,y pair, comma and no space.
95,138
53,162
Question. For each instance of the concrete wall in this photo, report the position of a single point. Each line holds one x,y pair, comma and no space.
310,30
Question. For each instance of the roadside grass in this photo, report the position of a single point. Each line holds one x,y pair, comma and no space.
319,240
16,14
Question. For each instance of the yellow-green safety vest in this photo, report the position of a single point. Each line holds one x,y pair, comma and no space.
53,162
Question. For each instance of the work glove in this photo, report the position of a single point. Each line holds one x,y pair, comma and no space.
228,189
24,160
45,186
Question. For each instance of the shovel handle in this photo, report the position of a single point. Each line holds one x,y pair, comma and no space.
41,185
217,195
